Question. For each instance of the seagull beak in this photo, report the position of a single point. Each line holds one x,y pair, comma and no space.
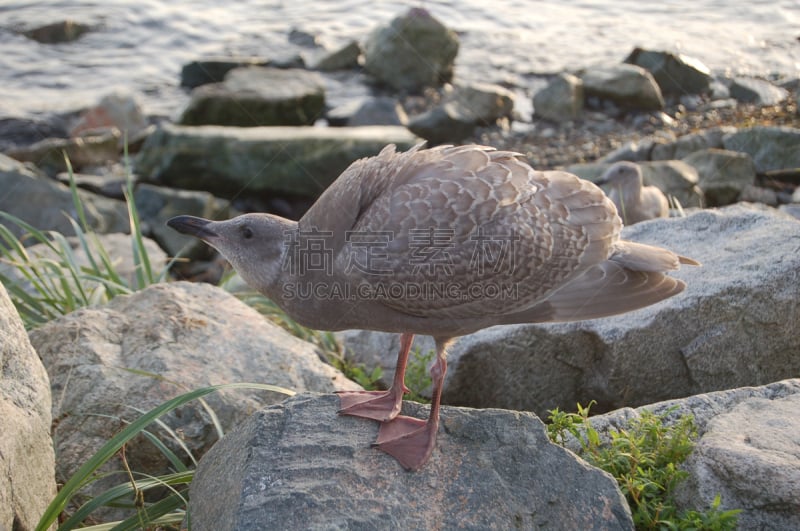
193,226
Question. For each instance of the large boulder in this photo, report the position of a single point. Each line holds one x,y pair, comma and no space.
229,161
687,144
491,470
214,69
187,336
771,147
628,86
414,51
735,325
748,451
45,203
676,74
27,480
254,96
723,174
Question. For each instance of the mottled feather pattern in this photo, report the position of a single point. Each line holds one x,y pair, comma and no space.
548,226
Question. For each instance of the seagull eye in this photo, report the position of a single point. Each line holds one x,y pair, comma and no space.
247,233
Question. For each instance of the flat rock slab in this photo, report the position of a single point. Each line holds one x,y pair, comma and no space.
298,466
228,161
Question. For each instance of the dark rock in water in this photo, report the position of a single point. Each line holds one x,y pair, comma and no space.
752,90
205,71
58,32
255,96
676,74
304,38
344,58
297,465
413,52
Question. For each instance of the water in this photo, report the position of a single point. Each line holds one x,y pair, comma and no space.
141,45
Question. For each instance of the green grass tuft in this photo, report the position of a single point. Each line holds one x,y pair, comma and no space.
644,458
43,288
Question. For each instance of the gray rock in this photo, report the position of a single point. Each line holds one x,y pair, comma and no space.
412,52
27,481
676,74
735,325
771,147
627,86
58,32
189,336
106,184
688,144
491,470
485,103
442,124
634,151
381,110
254,96
214,69
157,204
91,150
723,174
345,58
228,161
561,100
792,209
752,90
747,451
43,202
759,194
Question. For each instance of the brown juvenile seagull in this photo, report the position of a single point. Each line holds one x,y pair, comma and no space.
444,242
634,201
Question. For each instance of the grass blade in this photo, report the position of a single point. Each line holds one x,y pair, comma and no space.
84,473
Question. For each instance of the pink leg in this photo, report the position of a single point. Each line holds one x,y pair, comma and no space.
409,440
380,405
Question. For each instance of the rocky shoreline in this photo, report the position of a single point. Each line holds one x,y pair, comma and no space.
258,135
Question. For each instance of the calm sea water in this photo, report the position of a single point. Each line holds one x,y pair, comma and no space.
141,45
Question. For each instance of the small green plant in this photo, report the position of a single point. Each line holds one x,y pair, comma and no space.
418,378
56,283
644,460
171,509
